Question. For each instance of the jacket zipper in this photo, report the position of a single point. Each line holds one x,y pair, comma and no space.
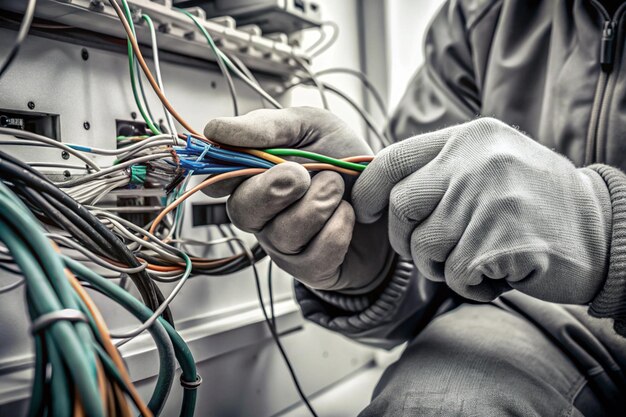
608,43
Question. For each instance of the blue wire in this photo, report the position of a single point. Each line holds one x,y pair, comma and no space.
224,154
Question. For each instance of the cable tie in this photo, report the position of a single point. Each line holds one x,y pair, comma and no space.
138,174
67,314
191,385
207,148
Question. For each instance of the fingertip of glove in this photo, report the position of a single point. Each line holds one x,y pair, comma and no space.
219,129
362,202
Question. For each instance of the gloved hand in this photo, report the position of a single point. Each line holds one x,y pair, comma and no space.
486,209
302,221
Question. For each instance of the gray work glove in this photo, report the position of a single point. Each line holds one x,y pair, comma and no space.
301,220
486,209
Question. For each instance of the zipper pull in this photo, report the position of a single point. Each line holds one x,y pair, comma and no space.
607,51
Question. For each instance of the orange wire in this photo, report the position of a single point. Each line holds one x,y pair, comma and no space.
103,386
244,172
109,347
146,70
360,158
203,184
78,411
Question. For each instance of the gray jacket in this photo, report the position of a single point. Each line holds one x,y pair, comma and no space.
557,70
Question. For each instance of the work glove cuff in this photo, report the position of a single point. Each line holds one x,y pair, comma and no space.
610,302
352,314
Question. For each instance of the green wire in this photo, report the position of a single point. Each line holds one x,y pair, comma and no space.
316,157
133,78
126,137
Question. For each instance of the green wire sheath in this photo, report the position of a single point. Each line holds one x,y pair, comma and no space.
139,310
15,222
52,266
43,301
61,404
133,77
316,157
36,397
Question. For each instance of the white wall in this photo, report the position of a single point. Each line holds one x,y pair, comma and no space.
406,23
343,53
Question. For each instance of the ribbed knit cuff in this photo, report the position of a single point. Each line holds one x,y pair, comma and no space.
611,300
353,314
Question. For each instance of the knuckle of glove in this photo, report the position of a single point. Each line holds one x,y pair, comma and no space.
293,228
261,198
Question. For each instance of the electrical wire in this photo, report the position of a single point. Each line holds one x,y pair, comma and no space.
77,220
94,257
382,139
157,69
27,20
136,78
313,77
367,83
272,328
221,63
164,305
324,47
48,141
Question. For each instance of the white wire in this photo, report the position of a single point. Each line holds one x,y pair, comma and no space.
157,70
43,139
112,169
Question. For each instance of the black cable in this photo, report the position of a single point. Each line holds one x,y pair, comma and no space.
270,291
58,214
272,329
12,169
27,20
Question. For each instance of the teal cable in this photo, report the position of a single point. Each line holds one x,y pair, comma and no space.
61,404
43,301
139,310
15,222
24,221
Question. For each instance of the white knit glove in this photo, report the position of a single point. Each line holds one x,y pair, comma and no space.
486,209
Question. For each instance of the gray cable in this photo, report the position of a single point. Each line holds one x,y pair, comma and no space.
364,115
170,297
157,70
331,41
92,256
12,286
112,169
315,80
27,20
39,138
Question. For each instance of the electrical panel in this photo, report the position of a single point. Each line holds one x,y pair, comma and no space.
271,16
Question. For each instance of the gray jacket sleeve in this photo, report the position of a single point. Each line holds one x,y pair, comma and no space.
610,302
442,93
